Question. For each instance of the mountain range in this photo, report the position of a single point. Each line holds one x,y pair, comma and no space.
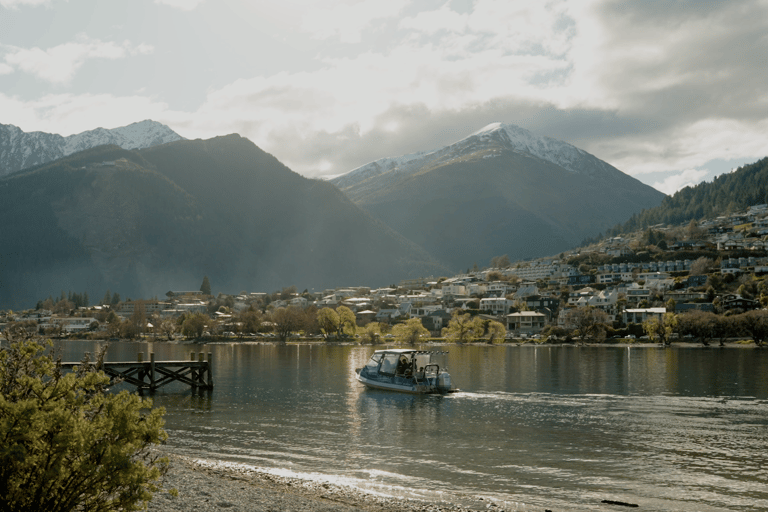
144,222
145,216
501,190
20,150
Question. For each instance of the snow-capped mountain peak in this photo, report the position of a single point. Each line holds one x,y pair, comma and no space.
19,149
134,136
552,150
486,142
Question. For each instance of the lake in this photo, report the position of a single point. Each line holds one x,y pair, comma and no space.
534,428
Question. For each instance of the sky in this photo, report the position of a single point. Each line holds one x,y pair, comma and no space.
672,93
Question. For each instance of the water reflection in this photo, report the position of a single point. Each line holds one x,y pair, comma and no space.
550,427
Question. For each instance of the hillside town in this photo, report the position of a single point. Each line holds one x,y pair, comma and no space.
714,267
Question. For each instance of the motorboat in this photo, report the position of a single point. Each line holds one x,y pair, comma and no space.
407,371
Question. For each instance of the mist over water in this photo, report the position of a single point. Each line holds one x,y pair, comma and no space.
561,428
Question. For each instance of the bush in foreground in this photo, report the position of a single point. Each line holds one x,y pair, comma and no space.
68,444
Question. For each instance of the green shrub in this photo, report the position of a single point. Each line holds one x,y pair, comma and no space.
68,443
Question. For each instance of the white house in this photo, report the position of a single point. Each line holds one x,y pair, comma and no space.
70,324
495,305
454,289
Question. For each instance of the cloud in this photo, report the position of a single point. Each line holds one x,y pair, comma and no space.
347,20
355,95
673,62
59,64
431,22
675,182
684,146
651,88
184,5
66,114
14,4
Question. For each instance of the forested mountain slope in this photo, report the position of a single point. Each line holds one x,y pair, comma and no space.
727,193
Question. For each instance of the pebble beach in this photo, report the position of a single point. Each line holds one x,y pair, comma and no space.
207,487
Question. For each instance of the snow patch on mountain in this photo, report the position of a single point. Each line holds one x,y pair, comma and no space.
19,149
560,153
486,142
395,165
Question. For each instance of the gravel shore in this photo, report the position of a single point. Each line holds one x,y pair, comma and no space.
204,487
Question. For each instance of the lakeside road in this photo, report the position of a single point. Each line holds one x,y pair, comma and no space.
204,486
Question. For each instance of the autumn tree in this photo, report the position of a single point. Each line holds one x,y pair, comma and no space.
68,443
588,321
755,323
493,330
328,320
250,320
128,329
286,320
194,325
494,275
309,320
373,333
461,328
660,328
409,332
699,324
347,321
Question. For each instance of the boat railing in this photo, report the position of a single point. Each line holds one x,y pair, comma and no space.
428,377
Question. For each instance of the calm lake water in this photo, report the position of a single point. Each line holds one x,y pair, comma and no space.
533,428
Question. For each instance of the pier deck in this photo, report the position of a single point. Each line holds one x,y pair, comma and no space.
152,375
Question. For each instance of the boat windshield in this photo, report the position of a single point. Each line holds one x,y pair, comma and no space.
389,363
373,362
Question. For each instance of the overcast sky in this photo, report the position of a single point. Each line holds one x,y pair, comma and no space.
672,93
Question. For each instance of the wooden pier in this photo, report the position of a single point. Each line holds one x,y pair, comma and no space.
152,375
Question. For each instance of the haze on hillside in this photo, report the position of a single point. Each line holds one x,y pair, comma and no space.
144,222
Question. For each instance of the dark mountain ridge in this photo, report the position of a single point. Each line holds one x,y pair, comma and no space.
499,191
143,222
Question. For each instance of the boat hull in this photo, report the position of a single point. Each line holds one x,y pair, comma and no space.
409,387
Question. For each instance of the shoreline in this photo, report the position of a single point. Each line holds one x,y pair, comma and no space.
736,342
217,485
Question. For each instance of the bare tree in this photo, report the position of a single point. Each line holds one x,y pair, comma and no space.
701,266
756,324
588,321
700,324
286,320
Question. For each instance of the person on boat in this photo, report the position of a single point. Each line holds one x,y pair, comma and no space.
402,366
